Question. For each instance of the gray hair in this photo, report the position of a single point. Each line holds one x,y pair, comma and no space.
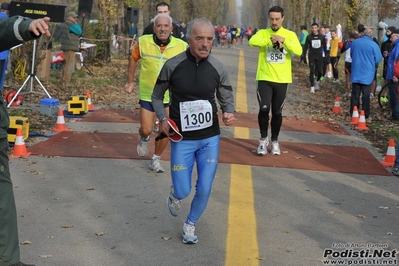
368,32
202,22
163,15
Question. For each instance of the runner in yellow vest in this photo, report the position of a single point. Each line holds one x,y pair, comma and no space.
153,51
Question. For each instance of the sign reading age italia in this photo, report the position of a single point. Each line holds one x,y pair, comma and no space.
33,10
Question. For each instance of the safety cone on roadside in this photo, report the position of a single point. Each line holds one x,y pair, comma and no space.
390,156
355,116
337,106
60,126
362,122
19,146
91,106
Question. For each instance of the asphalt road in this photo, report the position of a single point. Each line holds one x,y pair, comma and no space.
86,212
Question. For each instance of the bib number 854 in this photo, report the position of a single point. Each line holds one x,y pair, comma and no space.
276,57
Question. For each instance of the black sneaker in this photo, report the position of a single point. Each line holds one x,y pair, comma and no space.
395,171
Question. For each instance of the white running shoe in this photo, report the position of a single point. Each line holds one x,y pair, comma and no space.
329,75
173,204
316,85
312,90
142,147
275,148
155,166
262,148
189,236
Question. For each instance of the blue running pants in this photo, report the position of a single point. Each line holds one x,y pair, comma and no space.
205,153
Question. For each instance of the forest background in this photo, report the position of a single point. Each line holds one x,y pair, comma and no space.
253,13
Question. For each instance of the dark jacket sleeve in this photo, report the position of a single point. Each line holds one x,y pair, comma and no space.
10,37
324,44
148,29
306,45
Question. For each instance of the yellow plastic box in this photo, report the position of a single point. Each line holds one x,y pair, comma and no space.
15,123
78,105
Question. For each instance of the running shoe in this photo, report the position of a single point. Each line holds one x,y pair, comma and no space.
322,79
312,90
316,86
262,148
395,171
142,147
371,95
189,236
155,166
329,75
174,205
275,148
335,81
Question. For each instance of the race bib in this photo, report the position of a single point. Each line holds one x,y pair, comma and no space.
195,115
316,44
275,56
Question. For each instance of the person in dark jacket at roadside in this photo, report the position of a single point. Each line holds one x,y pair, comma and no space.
70,34
386,48
13,31
393,77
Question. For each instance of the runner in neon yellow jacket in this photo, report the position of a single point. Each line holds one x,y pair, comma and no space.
273,64
273,75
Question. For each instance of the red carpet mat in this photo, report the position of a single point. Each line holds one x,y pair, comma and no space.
243,120
112,116
233,151
294,124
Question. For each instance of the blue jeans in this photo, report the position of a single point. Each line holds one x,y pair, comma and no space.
393,100
205,153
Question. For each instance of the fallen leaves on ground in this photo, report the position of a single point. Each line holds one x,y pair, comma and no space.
320,105
107,90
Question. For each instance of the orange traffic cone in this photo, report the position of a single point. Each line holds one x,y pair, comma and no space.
91,106
337,106
19,146
390,156
60,126
355,116
362,122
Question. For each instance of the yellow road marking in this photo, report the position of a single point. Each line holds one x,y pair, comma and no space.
241,97
242,243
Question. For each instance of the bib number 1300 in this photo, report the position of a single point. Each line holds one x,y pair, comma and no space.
195,115
198,119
